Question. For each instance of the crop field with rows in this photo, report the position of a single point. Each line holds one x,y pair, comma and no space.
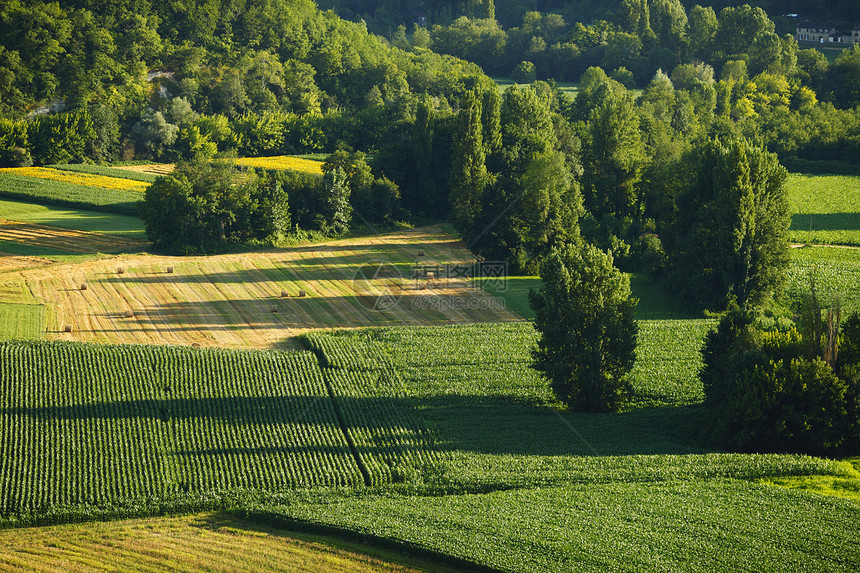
110,425
836,272
628,526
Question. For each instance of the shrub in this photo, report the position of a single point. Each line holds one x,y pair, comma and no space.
762,394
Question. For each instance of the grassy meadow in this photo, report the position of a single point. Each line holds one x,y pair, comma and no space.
75,219
825,209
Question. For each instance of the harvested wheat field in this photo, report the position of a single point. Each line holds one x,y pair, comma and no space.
259,299
65,240
153,168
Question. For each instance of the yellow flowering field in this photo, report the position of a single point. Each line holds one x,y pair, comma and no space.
101,181
283,162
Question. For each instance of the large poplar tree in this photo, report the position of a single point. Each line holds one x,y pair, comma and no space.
729,240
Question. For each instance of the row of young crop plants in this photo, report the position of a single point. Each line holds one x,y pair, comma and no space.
88,424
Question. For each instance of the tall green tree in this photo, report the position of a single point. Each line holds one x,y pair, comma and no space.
584,315
613,157
729,242
533,201
469,175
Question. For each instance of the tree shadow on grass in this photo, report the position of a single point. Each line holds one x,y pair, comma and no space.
470,424
825,222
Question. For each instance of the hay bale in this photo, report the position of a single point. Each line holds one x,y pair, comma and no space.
274,310
67,328
120,270
284,294
430,275
83,286
420,253
302,293
170,270
129,314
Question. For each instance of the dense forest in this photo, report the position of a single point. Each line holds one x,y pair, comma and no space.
383,16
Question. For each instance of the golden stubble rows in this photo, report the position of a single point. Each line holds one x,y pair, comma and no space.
251,300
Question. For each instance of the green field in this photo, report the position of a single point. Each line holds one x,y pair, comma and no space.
706,526
836,271
825,209
568,88
106,171
20,188
77,219
21,321
438,439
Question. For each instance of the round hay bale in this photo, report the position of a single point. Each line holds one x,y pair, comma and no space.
302,293
83,286
67,328
129,314
170,270
274,310
284,294
420,253
120,270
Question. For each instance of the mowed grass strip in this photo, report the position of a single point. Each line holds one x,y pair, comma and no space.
40,240
66,194
189,544
77,219
21,321
825,209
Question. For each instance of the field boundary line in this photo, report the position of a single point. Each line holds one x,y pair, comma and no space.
365,473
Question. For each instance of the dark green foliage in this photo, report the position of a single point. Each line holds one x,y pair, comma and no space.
14,144
728,242
524,73
763,393
200,206
584,315
152,133
533,202
62,138
842,85
469,175
378,203
336,213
